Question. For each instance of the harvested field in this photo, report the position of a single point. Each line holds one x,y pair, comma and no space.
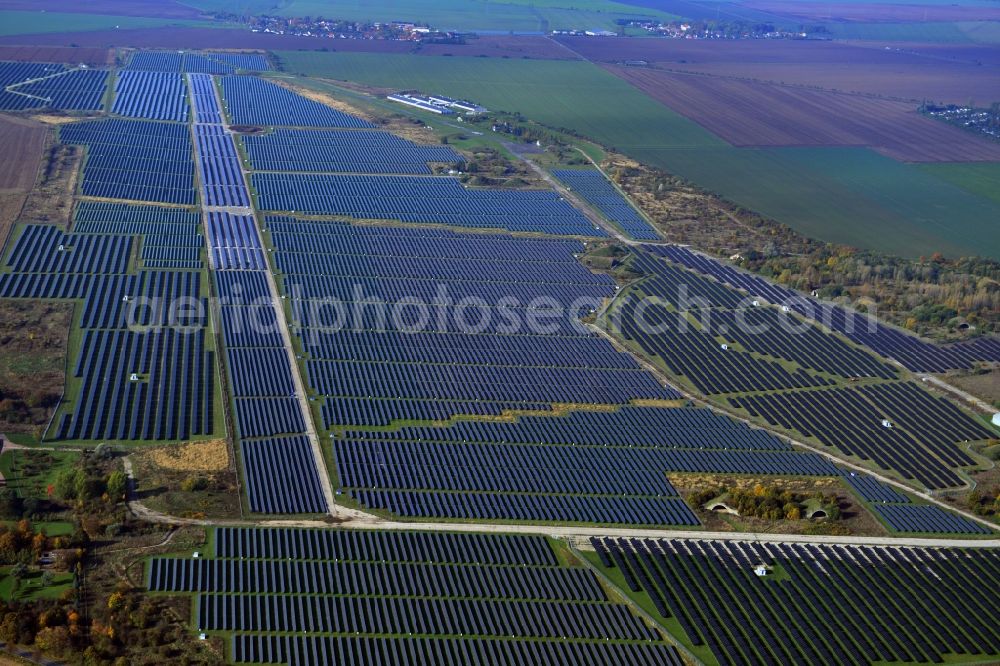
207,456
904,71
944,82
96,57
965,53
874,12
503,46
757,114
151,8
690,51
23,141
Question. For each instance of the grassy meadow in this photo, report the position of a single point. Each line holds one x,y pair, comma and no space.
27,23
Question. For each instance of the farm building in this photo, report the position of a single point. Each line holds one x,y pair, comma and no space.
438,103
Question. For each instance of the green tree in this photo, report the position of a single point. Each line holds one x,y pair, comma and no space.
116,485
66,484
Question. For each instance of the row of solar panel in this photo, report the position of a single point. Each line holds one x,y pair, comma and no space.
602,195
349,151
207,62
378,579
834,604
915,354
440,200
152,95
355,651
547,508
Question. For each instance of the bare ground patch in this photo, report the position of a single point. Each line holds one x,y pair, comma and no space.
52,199
207,456
33,336
984,384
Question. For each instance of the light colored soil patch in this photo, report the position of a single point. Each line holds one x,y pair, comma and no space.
693,482
54,120
984,386
207,456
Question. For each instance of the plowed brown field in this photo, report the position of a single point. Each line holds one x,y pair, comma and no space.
97,57
755,114
865,12
22,142
935,72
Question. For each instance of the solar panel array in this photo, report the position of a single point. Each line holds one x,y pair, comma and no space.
898,426
279,467
251,62
828,604
792,374
896,510
602,195
342,151
253,101
912,352
137,375
405,597
234,243
586,466
467,352
219,165
152,95
73,90
135,159
197,62
12,73
872,490
420,199
926,518
728,345
205,97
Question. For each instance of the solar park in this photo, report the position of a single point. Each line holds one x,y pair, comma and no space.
798,377
815,603
28,85
311,596
470,416
126,382
915,354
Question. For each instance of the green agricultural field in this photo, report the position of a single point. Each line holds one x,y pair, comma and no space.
979,178
845,195
570,94
943,32
467,15
26,23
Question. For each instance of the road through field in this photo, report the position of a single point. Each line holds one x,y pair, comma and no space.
282,325
577,535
